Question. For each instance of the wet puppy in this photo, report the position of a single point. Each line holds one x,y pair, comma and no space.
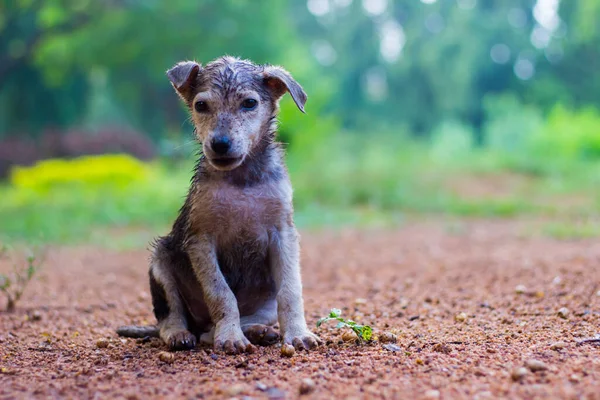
229,270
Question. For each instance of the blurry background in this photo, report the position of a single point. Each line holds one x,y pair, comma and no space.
457,107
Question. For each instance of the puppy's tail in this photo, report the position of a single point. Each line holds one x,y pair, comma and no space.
133,331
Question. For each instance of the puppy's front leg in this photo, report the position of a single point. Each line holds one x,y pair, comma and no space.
285,266
220,300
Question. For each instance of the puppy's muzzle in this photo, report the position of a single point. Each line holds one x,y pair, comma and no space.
220,153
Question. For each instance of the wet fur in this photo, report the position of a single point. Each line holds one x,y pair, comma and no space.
229,268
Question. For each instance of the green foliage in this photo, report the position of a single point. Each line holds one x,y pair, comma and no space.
364,332
381,137
569,136
13,286
451,140
69,207
572,230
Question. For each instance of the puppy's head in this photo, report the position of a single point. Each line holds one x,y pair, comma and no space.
233,103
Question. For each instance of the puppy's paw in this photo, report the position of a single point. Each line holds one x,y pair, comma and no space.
178,339
231,340
261,335
304,339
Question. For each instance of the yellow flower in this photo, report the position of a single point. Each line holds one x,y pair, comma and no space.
111,169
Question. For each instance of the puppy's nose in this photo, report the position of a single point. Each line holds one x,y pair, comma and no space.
220,145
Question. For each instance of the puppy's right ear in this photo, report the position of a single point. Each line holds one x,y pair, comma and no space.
184,78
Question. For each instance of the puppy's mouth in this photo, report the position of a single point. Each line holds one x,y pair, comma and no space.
226,163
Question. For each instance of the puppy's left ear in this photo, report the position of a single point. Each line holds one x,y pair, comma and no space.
279,81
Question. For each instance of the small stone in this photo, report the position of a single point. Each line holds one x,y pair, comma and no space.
520,289
392,347
442,348
518,373
360,301
166,357
234,390
261,386
419,361
388,337
287,350
598,293
557,280
307,386
7,371
563,313
432,394
102,343
349,336
460,317
558,346
275,393
34,315
535,365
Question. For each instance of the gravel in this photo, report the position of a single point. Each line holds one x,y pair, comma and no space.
422,269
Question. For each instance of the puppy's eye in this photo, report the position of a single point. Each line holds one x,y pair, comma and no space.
201,106
249,104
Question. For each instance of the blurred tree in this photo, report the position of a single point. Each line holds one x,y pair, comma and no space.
59,54
378,64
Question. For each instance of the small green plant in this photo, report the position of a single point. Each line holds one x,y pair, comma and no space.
364,332
13,286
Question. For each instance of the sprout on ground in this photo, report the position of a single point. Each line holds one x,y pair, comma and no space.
364,332
13,286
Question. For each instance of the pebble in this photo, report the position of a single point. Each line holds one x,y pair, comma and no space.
275,393
535,365
392,347
307,386
432,394
102,343
360,301
460,317
261,386
287,350
166,357
349,336
35,316
518,373
563,313
558,346
234,390
520,289
388,337
557,280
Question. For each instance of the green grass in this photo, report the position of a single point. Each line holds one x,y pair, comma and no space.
569,230
354,184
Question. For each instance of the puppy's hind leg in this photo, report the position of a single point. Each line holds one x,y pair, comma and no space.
168,305
258,327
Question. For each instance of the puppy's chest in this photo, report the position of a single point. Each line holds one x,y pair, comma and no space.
231,213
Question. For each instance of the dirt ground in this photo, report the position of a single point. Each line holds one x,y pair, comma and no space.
416,282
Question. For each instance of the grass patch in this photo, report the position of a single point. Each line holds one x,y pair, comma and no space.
572,230
359,184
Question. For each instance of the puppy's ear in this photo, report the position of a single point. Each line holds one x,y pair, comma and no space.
184,78
279,81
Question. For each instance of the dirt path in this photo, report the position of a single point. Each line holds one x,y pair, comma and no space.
412,282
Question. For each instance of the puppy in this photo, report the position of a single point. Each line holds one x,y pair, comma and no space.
229,269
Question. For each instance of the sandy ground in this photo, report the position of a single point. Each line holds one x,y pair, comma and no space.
415,282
